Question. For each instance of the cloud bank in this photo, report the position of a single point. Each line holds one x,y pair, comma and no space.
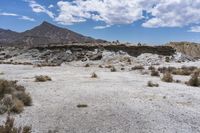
153,13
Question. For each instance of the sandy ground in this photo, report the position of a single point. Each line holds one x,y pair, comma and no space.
118,102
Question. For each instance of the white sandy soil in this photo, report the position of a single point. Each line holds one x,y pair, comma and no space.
118,102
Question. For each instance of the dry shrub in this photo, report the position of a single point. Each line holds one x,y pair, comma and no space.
113,69
167,77
82,105
100,66
182,72
18,106
194,80
87,65
155,73
9,127
13,97
151,84
1,73
167,59
139,67
108,66
42,78
151,68
94,75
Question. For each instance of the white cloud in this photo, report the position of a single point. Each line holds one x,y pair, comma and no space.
8,14
161,13
174,13
27,18
39,8
51,6
194,29
101,27
17,15
109,11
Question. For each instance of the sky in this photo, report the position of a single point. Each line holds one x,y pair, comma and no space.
144,21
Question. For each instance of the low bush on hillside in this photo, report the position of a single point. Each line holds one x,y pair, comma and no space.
42,78
151,84
167,77
139,67
155,73
13,97
9,127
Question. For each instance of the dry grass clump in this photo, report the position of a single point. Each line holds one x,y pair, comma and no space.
151,84
87,65
13,97
94,75
1,73
113,69
151,68
167,77
155,73
82,105
184,70
194,80
139,67
9,127
167,59
42,78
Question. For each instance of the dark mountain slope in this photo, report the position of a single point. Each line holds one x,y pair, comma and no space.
46,34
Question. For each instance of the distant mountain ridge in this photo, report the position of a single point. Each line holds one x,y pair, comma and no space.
44,34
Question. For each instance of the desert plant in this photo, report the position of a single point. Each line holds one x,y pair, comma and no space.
42,78
82,105
113,69
167,77
167,59
9,127
139,67
194,80
151,84
155,73
87,65
151,68
94,75
13,97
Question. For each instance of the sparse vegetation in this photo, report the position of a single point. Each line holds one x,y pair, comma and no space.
113,69
42,78
1,73
167,77
94,75
87,65
151,68
82,105
151,84
13,97
139,67
155,73
9,127
167,59
194,80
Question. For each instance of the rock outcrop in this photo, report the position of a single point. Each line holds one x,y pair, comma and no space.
187,48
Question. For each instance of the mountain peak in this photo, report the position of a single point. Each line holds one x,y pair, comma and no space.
45,23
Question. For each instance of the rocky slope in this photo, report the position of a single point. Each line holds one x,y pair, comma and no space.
187,48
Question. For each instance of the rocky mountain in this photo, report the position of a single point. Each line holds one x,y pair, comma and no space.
44,34
7,36
187,48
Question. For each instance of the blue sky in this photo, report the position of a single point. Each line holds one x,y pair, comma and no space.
153,21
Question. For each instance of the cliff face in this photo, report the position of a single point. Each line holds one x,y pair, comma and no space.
187,48
131,50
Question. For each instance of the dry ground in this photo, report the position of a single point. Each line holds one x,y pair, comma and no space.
118,102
